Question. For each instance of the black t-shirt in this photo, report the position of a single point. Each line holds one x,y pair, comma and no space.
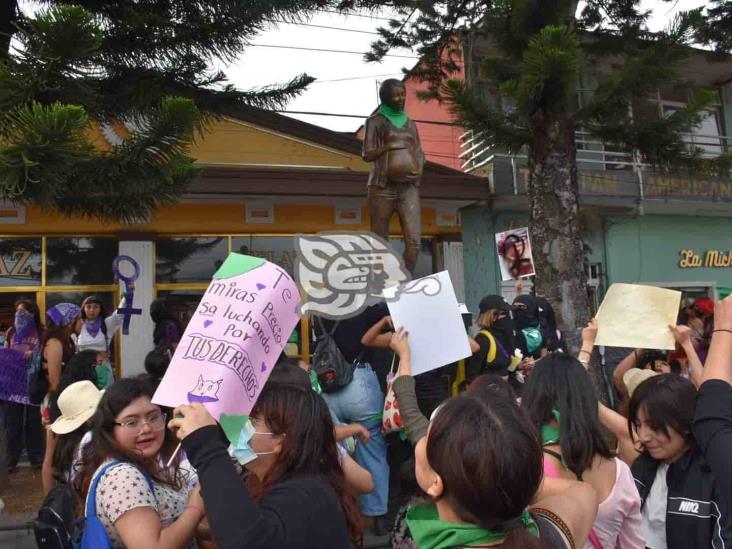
477,364
349,332
713,431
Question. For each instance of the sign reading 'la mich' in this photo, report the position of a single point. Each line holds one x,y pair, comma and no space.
711,259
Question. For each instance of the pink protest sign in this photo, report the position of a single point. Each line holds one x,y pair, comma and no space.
234,338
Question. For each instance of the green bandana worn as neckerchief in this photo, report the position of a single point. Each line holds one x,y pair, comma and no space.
429,532
550,434
397,117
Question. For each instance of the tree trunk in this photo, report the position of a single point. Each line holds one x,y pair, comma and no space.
554,225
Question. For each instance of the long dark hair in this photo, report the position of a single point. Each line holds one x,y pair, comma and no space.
103,446
489,458
62,333
32,307
309,449
94,300
559,382
668,401
161,311
81,367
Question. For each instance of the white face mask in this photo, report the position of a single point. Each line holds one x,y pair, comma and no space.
242,451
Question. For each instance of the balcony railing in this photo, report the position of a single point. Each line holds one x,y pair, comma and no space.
477,152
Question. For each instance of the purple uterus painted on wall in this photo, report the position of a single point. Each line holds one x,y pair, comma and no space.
206,390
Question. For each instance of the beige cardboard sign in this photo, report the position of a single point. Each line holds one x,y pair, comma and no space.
638,316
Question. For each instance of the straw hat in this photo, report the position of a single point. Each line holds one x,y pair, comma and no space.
634,377
77,403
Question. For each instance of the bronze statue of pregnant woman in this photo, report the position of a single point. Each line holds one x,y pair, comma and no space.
391,144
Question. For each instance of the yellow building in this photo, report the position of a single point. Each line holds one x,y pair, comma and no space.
267,177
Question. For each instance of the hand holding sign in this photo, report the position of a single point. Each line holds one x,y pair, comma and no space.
627,306
234,338
127,311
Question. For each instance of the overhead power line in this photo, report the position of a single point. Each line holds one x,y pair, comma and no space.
355,15
301,48
311,113
319,81
282,21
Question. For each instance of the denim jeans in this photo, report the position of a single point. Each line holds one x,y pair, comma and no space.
362,401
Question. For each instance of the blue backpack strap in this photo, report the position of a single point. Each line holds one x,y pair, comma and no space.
91,501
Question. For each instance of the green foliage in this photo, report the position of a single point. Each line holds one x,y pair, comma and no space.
105,60
550,70
714,28
532,57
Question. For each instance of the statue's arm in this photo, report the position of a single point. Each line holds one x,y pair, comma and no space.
373,143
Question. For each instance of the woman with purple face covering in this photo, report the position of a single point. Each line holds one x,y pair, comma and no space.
23,420
58,348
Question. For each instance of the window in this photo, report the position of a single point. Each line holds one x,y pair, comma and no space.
189,259
80,261
183,303
277,249
20,262
706,136
425,261
107,299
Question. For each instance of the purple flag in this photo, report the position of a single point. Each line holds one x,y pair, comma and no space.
13,376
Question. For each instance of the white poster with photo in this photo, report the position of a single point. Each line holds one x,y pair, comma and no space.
514,254
429,311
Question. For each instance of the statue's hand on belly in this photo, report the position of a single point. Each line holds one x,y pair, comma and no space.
402,161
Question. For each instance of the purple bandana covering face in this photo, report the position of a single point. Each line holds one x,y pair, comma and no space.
25,326
93,326
63,314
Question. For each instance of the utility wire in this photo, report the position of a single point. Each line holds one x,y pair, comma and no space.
365,116
344,14
327,50
319,81
282,21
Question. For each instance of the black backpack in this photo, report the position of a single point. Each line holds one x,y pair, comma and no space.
56,518
37,378
333,370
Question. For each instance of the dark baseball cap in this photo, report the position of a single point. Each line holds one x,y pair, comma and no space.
493,302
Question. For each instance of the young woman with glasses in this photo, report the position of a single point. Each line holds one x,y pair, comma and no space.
141,502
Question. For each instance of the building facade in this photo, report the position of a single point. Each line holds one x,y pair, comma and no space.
638,225
266,178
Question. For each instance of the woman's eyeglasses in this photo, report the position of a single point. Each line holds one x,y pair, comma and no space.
156,422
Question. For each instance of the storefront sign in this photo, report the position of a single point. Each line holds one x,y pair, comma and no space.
16,263
711,259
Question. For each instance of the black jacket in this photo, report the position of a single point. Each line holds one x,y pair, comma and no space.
695,514
301,513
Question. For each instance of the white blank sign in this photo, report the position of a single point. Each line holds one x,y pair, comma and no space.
429,311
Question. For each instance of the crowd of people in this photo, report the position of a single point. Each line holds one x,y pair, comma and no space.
525,455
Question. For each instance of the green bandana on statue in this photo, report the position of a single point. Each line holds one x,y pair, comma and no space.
429,532
397,117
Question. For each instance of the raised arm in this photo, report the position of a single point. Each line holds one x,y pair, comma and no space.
610,419
404,390
374,338
626,364
713,414
719,357
682,334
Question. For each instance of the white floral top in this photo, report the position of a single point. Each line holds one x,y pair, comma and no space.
124,488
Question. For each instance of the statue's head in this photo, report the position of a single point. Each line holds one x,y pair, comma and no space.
393,93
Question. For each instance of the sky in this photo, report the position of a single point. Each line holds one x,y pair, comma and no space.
346,83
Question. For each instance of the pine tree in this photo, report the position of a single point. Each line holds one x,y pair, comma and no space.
538,49
147,64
